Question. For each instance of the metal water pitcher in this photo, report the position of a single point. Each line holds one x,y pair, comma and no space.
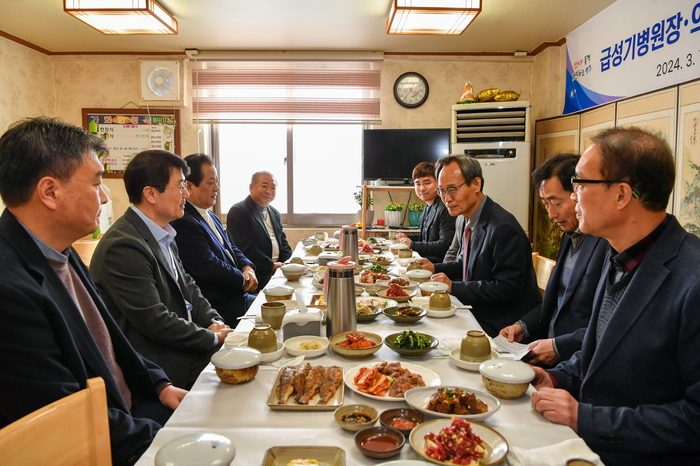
348,242
339,289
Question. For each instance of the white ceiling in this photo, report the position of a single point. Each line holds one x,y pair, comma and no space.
349,25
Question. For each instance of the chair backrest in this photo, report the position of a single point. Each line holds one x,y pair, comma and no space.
535,255
543,269
71,431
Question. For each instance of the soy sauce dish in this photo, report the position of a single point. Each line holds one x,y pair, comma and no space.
379,442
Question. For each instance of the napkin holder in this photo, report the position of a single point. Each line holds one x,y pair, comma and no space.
326,257
298,323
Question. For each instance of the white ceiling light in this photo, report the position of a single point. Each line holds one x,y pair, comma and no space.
123,16
446,17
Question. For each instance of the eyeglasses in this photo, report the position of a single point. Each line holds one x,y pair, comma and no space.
182,187
577,182
451,190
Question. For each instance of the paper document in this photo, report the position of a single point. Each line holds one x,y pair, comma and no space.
516,349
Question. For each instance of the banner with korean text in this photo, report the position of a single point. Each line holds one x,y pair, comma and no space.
630,48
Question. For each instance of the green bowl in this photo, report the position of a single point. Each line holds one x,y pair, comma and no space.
390,339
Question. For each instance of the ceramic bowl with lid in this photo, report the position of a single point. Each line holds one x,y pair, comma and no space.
278,293
428,288
419,275
236,365
293,272
506,378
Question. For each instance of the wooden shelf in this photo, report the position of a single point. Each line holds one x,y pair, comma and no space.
366,189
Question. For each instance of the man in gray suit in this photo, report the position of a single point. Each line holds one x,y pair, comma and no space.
633,391
493,271
138,271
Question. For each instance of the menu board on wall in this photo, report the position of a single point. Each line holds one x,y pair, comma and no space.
128,132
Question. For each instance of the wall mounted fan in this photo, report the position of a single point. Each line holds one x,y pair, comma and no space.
160,80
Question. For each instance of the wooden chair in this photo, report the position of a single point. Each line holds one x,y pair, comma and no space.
535,255
543,269
71,431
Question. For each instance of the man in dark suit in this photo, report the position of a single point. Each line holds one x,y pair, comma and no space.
437,226
556,327
633,391
255,227
138,271
223,274
493,271
57,332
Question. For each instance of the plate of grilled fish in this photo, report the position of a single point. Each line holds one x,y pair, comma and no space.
307,387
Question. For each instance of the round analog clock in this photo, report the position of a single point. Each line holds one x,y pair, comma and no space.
411,90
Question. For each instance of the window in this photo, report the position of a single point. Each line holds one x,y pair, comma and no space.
300,119
317,168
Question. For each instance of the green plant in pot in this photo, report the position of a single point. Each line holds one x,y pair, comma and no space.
415,209
368,203
393,214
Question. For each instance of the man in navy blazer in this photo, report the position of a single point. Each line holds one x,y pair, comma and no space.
437,226
57,332
556,327
255,227
633,391
497,278
223,274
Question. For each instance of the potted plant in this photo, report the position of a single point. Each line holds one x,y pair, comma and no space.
415,209
393,214
368,202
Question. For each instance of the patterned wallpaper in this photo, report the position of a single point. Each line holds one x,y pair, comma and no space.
35,84
446,78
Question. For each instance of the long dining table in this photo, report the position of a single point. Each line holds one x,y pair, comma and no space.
240,412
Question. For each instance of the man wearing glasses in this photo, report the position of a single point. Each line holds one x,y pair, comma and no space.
437,226
138,272
556,327
633,391
493,270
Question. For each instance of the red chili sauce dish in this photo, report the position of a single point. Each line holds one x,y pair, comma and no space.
380,443
402,424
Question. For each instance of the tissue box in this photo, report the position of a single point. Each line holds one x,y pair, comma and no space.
326,257
302,323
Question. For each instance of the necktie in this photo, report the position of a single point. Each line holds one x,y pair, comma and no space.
465,251
94,321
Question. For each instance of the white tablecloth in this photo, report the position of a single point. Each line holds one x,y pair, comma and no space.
240,412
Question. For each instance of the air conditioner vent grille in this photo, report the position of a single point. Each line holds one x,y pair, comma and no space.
491,122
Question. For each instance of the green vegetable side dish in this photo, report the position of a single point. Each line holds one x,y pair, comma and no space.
411,340
378,268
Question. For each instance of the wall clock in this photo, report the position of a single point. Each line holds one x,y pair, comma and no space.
411,90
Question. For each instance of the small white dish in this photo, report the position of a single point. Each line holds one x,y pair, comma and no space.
202,448
440,314
466,365
291,345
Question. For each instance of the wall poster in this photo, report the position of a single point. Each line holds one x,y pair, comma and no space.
130,131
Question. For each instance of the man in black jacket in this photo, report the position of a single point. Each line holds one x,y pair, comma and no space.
255,227
557,326
57,332
437,226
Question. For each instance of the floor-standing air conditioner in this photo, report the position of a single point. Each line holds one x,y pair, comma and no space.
498,135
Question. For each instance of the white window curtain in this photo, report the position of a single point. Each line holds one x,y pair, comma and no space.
286,91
